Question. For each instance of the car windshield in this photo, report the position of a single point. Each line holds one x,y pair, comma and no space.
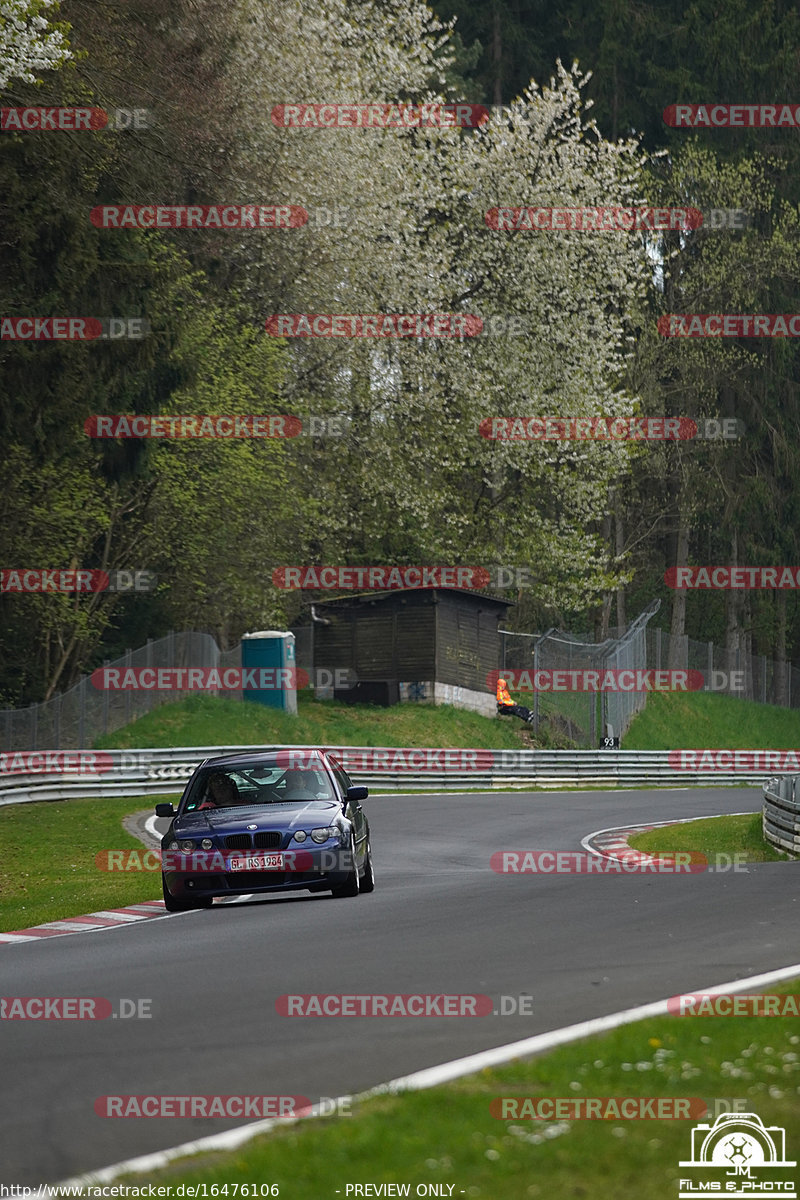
267,782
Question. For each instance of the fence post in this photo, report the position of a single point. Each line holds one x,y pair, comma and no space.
535,689
57,720
148,659
82,713
710,665
764,678
658,649
127,690
34,726
106,663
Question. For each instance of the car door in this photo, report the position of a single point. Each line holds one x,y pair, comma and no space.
354,813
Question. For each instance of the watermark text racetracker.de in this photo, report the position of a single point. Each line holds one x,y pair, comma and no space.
402,1004
598,1108
54,579
386,578
72,120
379,116
603,219
729,325
619,679
381,578
203,1106
760,762
71,762
374,325
727,1004
609,429
578,862
727,577
71,329
732,116
201,679
199,216
610,679
72,1008
185,425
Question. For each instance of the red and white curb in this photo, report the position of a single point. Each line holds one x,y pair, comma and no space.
107,918
613,843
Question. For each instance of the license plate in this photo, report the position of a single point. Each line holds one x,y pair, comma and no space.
257,862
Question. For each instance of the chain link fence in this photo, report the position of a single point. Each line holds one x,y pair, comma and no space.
73,719
732,672
584,716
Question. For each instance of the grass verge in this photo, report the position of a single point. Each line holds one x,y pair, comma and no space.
212,721
733,835
447,1135
701,720
47,861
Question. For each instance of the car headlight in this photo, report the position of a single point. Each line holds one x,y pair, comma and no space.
301,835
207,844
322,835
187,845
174,846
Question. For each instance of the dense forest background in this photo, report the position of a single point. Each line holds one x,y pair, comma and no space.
397,226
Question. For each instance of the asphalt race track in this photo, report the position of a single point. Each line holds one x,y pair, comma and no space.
440,920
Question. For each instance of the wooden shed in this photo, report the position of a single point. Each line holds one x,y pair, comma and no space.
412,644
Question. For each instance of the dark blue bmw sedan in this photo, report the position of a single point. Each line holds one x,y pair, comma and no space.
266,821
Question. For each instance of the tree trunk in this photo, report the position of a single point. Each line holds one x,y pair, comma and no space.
781,680
678,648
619,547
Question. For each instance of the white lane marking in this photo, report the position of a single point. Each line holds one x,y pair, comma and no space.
150,827
426,1078
655,825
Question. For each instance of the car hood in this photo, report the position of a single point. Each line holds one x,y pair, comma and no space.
264,816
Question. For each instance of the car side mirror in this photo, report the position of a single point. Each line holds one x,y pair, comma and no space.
357,792
165,810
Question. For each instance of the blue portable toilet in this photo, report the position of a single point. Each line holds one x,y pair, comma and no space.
273,650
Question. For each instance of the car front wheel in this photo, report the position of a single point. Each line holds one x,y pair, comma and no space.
351,886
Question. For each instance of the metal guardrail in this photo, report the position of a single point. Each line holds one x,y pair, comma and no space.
781,813
156,772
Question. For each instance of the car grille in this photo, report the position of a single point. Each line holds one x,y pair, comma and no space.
238,841
269,840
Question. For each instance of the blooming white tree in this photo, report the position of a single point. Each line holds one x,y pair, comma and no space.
415,475
28,43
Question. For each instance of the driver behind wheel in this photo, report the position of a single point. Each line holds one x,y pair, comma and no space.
305,785
221,792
